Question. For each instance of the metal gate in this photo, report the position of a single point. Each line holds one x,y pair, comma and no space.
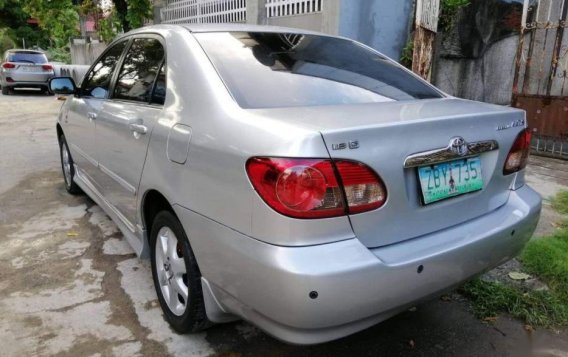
541,85
203,11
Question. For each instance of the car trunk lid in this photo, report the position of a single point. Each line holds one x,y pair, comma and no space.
383,136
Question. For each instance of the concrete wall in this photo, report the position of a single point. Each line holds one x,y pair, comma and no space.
381,24
327,21
85,52
77,72
488,78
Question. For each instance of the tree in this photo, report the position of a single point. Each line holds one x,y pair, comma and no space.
60,18
121,12
132,13
110,25
14,25
5,41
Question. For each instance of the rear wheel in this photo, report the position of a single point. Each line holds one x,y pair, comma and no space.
177,278
5,90
68,167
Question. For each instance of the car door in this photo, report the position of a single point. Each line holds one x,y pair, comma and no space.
80,120
126,121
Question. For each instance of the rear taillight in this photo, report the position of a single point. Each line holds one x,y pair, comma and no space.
519,153
8,65
47,67
315,188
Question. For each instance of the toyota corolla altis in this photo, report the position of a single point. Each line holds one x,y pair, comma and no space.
303,182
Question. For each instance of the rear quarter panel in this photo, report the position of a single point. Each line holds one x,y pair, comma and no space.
213,181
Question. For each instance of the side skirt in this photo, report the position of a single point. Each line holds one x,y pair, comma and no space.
134,234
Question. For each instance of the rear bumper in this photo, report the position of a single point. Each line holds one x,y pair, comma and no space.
32,80
356,287
25,84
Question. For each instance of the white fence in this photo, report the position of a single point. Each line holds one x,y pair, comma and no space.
204,11
279,8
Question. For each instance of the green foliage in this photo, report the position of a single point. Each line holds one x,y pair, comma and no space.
138,11
407,54
6,41
448,12
110,26
59,21
61,54
60,18
132,13
89,7
13,19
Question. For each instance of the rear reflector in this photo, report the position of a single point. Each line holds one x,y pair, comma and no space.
364,190
315,188
47,67
518,155
8,65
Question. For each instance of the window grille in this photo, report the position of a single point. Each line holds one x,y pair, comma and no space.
279,8
203,11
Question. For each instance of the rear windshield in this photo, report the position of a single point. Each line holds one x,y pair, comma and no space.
265,70
27,57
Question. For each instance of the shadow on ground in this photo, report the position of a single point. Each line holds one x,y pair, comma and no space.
436,328
27,92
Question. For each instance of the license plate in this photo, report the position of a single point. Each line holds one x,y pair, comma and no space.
450,179
28,68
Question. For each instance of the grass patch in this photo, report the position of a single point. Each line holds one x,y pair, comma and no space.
545,258
560,202
536,308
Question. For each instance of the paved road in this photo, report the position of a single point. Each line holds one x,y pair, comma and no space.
70,285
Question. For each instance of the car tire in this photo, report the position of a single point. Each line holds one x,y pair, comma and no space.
176,275
5,90
68,167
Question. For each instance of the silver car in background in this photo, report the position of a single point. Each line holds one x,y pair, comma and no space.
24,69
303,182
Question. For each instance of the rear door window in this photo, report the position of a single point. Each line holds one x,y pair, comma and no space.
97,81
159,94
139,70
264,70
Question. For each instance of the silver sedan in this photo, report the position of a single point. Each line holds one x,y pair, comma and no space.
300,181
24,69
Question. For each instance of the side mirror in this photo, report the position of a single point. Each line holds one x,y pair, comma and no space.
62,85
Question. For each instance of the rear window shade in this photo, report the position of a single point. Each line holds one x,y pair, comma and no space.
27,57
263,70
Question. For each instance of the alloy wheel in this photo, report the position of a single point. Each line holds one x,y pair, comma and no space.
171,270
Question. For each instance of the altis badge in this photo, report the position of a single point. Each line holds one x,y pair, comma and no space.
516,123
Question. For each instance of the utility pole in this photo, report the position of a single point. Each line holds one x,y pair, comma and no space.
427,15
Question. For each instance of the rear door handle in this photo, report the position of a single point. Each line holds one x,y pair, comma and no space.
92,116
139,128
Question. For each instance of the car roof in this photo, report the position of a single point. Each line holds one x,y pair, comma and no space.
226,27
243,28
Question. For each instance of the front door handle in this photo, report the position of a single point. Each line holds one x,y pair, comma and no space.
139,128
